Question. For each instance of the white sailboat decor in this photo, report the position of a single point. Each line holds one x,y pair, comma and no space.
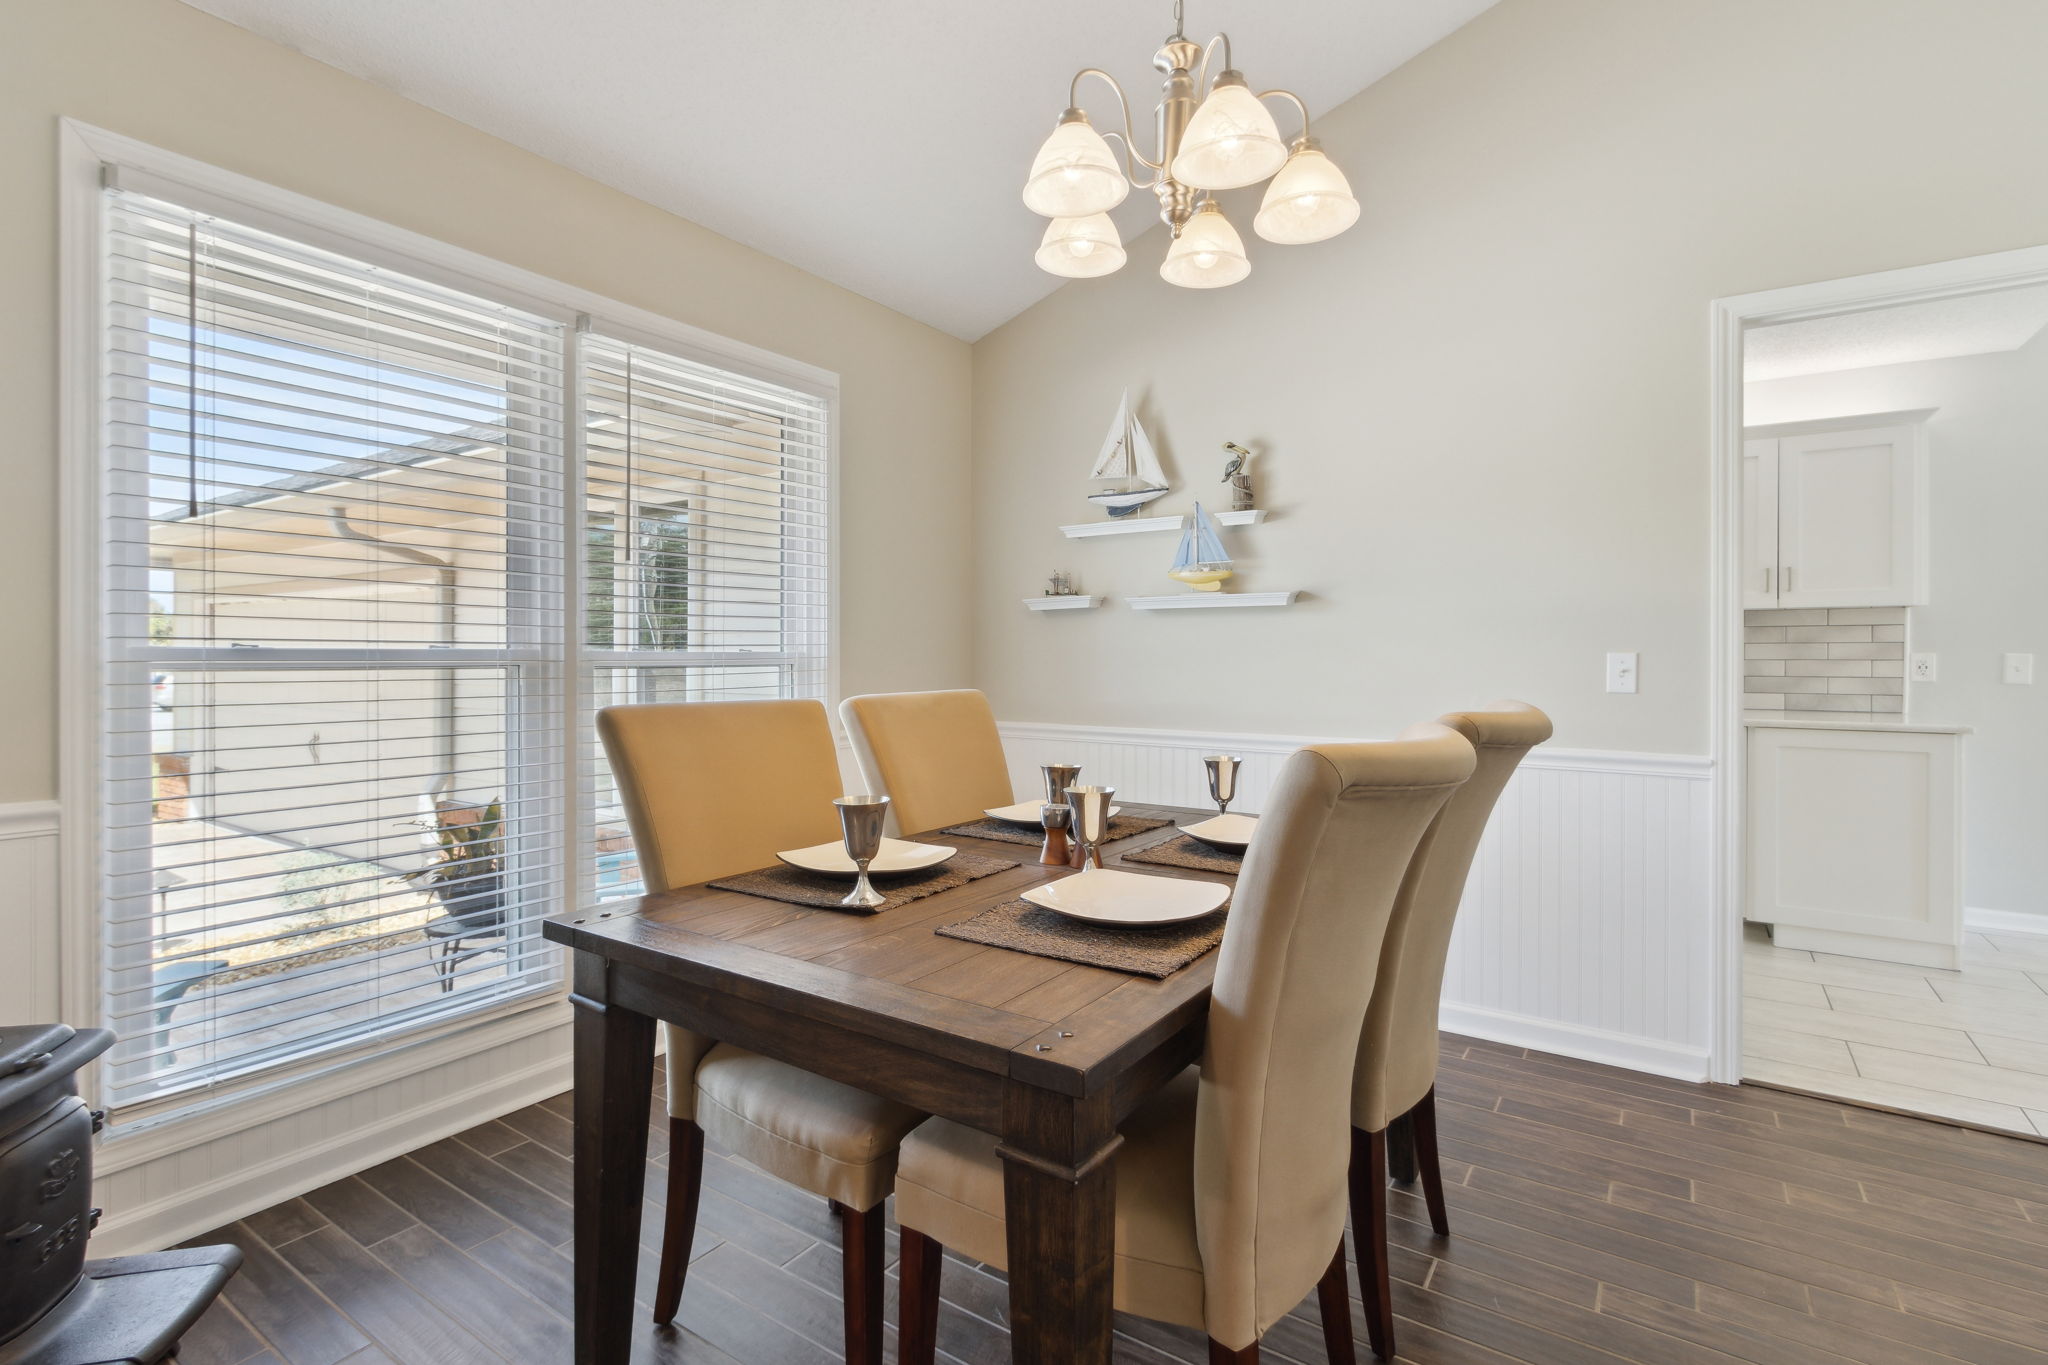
1200,561
1127,457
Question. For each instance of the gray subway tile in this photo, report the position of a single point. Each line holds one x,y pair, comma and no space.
1829,634
1828,668
1866,616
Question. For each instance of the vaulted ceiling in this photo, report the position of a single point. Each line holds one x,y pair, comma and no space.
880,144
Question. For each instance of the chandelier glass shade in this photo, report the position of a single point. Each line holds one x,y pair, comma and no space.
1231,141
1080,248
1309,201
1075,173
1207,254
1211,134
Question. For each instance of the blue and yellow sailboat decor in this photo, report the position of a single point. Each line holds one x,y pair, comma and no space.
1200,562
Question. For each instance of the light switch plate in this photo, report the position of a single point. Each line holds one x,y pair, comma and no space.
2019,668
1922,669
1621,672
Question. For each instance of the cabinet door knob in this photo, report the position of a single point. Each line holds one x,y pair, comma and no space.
1788,578
1767,581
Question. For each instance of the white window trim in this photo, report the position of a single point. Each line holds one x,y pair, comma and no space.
83,152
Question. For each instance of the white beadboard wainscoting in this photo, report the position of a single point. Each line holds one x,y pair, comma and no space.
1585,927
30,966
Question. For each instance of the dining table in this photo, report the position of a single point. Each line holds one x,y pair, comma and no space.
1047,1055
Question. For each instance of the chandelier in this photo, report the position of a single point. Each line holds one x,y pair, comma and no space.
1212,135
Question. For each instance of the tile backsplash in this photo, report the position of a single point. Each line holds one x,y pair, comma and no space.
1825,659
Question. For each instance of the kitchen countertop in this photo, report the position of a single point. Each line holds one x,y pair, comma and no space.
1845,720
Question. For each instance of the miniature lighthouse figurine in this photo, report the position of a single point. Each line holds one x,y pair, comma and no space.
1238,475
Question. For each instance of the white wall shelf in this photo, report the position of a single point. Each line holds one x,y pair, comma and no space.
1175,601
1139,525
1123,526
1068,602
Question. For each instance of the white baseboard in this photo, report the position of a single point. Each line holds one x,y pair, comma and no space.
2004,921
200,1208
1575,1040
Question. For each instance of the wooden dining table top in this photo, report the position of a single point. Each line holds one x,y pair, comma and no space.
1062,1026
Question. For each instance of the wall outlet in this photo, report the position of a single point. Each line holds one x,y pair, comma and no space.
2019,668
1922,668
1621,672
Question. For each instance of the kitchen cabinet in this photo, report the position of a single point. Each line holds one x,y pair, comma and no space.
1855,839
1834,513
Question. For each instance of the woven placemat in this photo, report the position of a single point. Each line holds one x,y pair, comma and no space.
1188,851
1120,827
798,887
1029,928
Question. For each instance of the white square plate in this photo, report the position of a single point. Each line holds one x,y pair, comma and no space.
1231,833
1027,813
897,855
1104,895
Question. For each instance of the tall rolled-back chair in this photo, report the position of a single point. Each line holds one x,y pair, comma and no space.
1397,1048
937,755
712,789
1230,1181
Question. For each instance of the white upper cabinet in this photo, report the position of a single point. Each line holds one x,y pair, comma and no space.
1759,523
1834,514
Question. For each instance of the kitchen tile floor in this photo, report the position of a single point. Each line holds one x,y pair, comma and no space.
1969,1045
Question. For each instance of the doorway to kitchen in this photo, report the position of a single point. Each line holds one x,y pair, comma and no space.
1882,455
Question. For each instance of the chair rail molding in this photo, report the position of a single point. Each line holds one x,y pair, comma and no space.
1586,923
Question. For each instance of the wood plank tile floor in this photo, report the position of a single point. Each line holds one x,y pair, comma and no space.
1969,1044
1597,1215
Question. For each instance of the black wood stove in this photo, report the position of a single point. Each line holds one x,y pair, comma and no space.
57,1308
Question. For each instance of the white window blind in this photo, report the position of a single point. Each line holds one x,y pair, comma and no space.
336,637
705,569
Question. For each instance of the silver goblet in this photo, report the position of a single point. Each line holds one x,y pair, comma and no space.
1222,779
860,828
1059,777
1090,807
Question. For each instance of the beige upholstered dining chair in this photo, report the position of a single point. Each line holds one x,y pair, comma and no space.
1397,1048
1230,1180
712,789
937,755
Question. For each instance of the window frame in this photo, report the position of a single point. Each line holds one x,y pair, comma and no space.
90,158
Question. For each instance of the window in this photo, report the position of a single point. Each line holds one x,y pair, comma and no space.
705,520
355,624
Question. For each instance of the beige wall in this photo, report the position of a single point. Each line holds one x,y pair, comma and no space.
1483,412
170,75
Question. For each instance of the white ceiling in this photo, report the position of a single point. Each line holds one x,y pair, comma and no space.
880,144
1977,324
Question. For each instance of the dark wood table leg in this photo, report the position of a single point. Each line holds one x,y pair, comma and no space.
1059,1189
614,1085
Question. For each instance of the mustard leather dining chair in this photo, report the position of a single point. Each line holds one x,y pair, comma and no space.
717,788
937,755
1397,1048
1230,1180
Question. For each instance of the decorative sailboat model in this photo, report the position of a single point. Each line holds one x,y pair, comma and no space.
1200,562
1127,457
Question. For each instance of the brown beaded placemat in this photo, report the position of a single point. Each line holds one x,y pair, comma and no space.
1120,827
1188,851
1029,928
785,883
